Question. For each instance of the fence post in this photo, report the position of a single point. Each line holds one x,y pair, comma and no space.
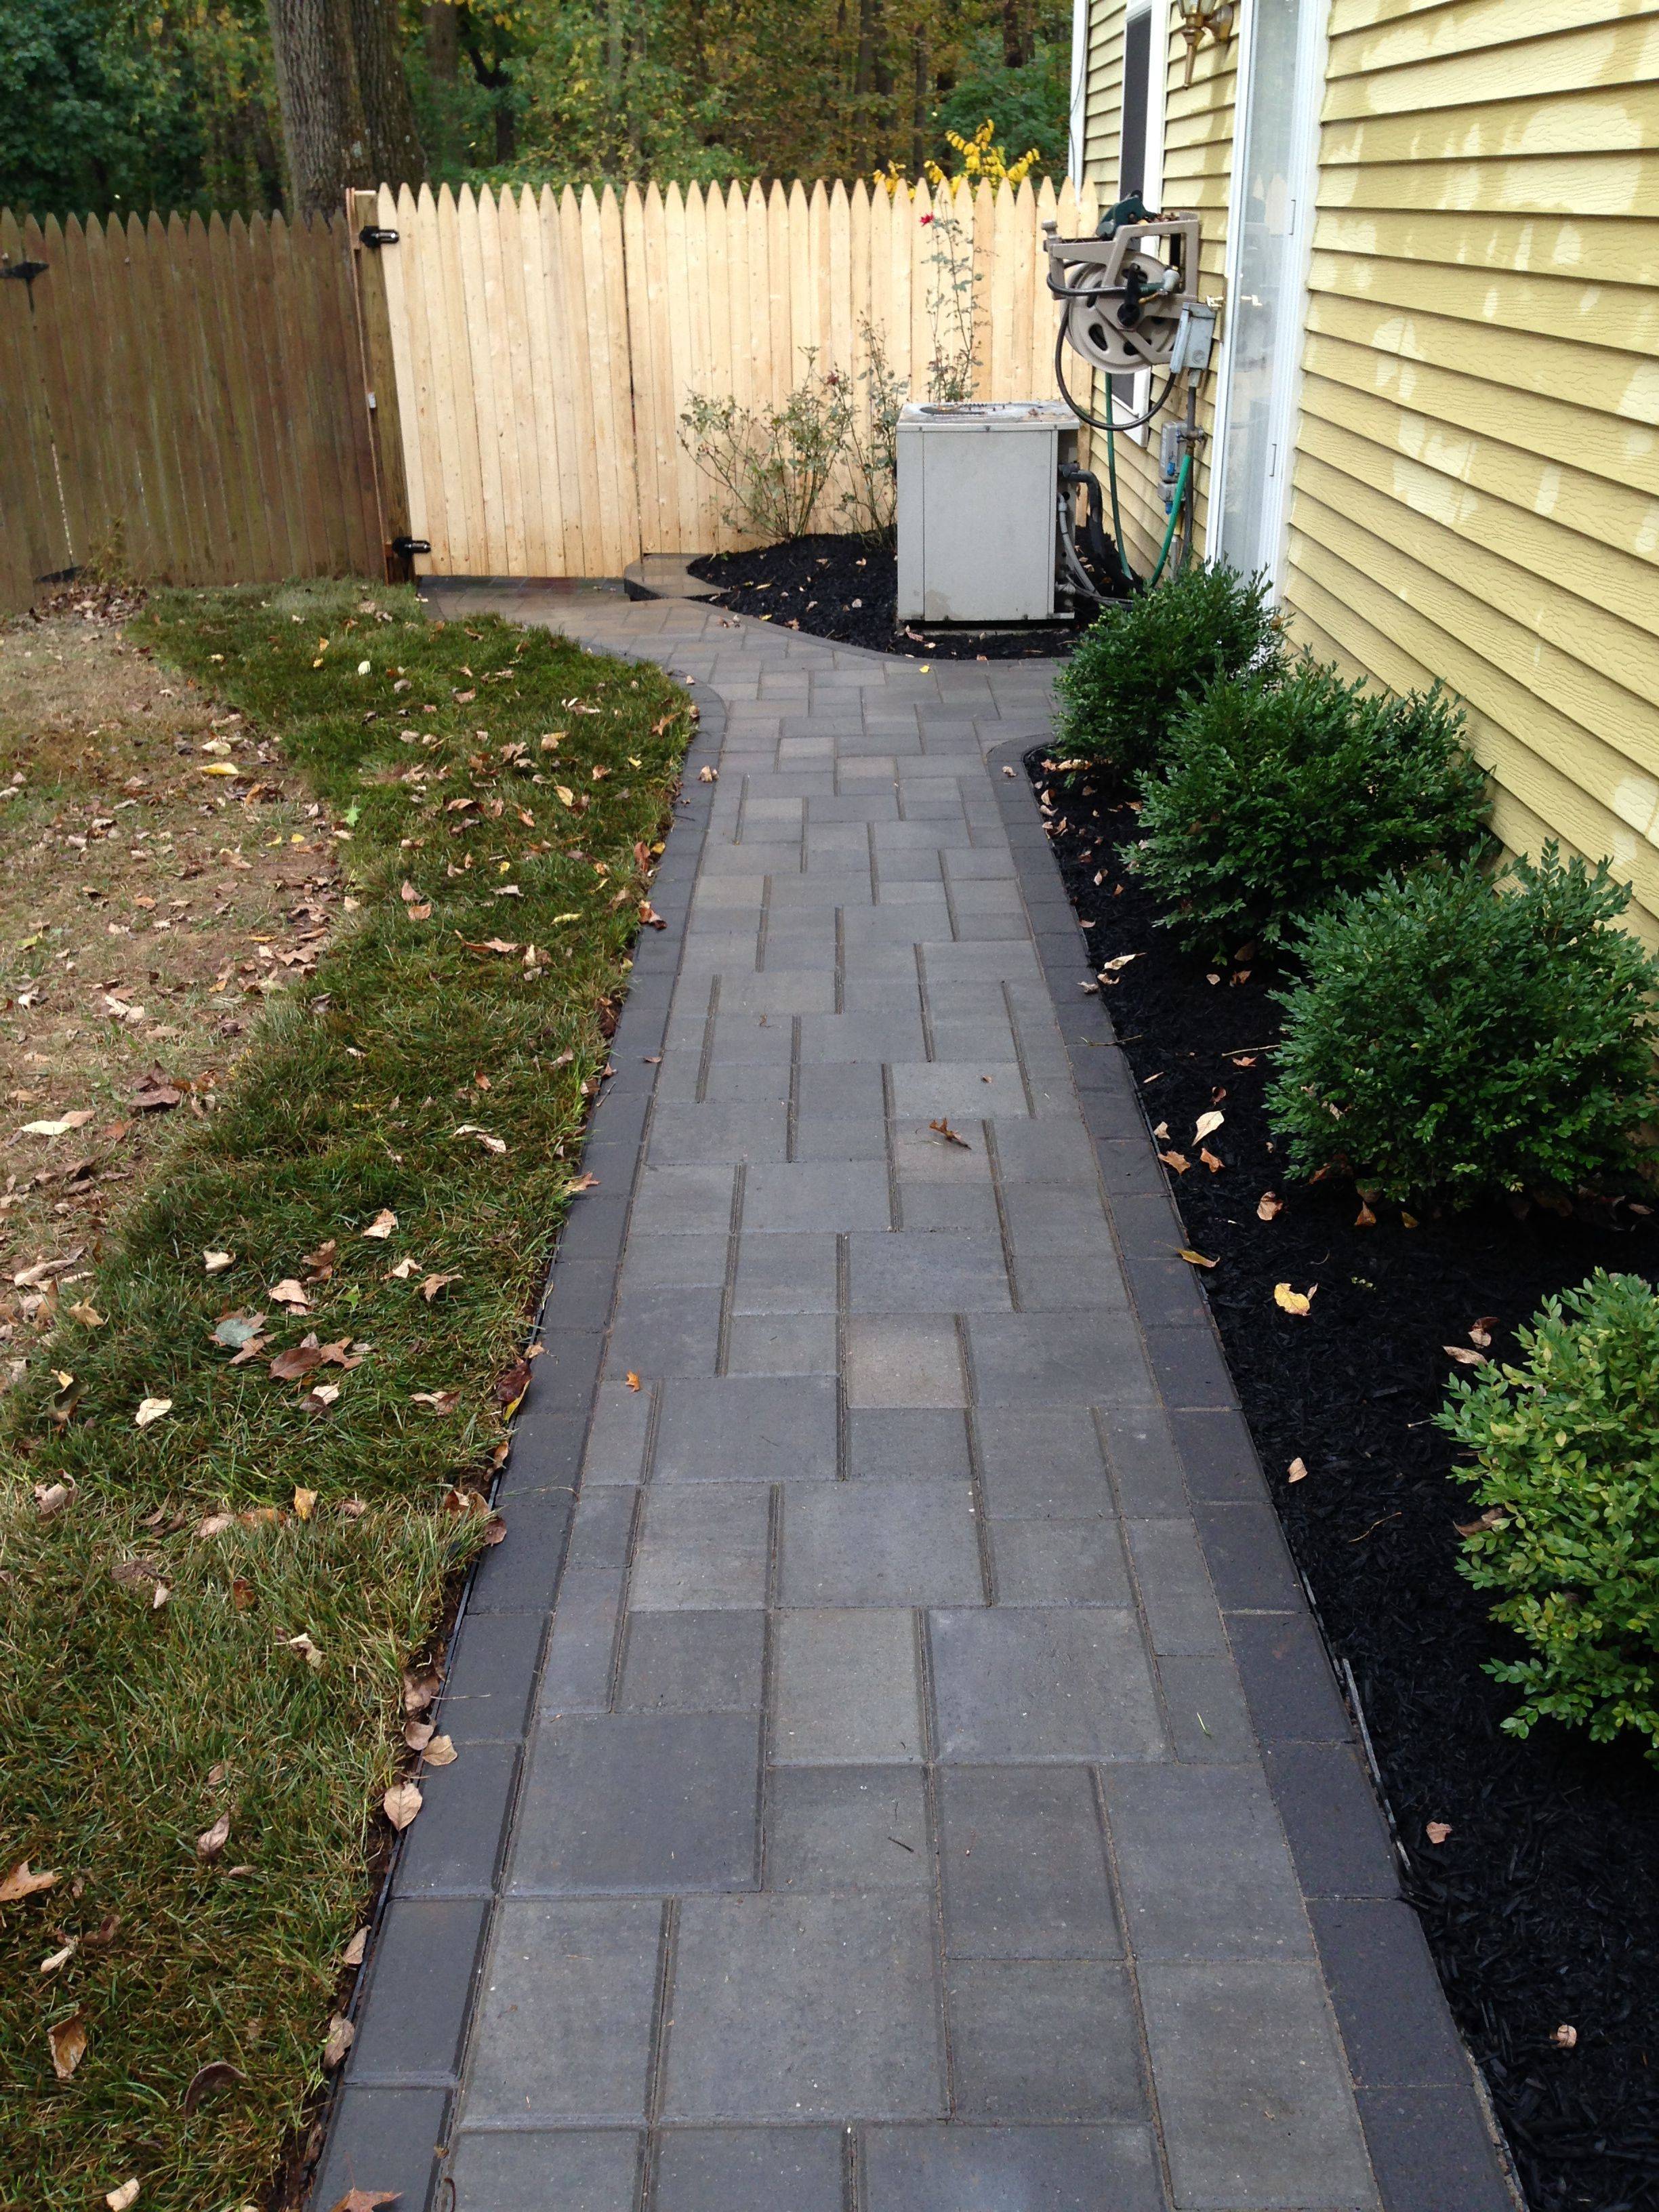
380,382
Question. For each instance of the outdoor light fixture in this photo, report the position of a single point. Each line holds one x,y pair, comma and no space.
1202,19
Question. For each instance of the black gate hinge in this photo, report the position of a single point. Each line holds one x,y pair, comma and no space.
26,271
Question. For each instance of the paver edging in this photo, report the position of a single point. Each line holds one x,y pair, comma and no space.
387,2119
1441,2132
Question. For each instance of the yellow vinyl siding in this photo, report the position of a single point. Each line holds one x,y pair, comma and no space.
1477,480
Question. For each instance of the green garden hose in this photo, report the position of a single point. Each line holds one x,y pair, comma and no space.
1174,516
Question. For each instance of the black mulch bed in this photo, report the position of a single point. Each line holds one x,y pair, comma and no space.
847,588
1542,1906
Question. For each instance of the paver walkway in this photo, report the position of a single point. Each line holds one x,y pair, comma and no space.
931,1796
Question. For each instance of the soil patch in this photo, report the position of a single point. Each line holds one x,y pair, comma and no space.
1540,1905
847,588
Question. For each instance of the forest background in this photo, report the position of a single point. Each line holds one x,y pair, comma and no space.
126,104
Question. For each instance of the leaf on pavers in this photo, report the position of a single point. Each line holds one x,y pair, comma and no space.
207,2082
299,1360
1464,1356
631,1379
365,2200
151,1410
490,1144
401,1803
438,1402
441,1751
67,2043
384,1224
1207,1124
1269,1206
1437,1831
495,1529
210,1844
1480,1331
356,1949
947,1135
578,1184
650,917
1297,1470
23,1881
1195,1259
1293,1302
122,2199
339,2039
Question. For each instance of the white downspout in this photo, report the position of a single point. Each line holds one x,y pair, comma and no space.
1079,118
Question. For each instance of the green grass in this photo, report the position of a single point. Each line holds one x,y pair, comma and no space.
350,1102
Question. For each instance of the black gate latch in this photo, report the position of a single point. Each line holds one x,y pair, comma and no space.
368,235
406,547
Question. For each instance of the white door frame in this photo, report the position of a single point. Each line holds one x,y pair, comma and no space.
1312,51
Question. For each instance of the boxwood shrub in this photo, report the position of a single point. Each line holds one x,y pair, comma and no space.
1142,662
1566,1468
1284,787
1455,1036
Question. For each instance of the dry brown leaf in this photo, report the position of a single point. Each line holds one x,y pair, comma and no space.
356,1949
299,1360
1365,1218
207,2080
1565,2037
1207,1124
1437,1831
51,1497
436,1402
123,2199
1210,1160
631,1379
418,1734
401,1803
307,1649
419,1690
491,1144
211,1842
1297,1470
1269,1206
432,1285
59,1129
441,1751
23,1881
291,1293
1480,1331
1465,1356
947,1135
404,1269
365,2200
215,1263
1176,1161
67,2041
1492,1518
1293,1302
304,1503
151,1410
336,2044
87,1315
384,1224
1195,1259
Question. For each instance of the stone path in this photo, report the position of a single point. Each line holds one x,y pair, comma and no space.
930,1794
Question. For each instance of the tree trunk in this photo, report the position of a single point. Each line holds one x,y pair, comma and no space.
395,153
324,134
919,101
1015,35
443,48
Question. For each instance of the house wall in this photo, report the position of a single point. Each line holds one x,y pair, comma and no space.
1477,475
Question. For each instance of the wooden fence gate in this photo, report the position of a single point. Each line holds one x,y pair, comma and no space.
191,402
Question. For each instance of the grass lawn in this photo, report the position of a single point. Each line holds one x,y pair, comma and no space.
232,1506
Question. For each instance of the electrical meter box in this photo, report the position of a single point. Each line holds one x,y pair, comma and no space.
978,508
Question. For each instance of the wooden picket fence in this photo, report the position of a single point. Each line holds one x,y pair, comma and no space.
184,399
208,403
546,345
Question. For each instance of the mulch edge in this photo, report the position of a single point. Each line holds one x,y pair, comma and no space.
1439,2130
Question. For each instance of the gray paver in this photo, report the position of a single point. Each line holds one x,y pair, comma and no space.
805,2007
799,1811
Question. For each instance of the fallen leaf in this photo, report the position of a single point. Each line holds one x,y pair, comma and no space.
336,2044
436,1402
631,1379
404,1269
947,1135
1195,1259
1480,1331
1297,1470
298,1360
212,1841
67,2042
51,1497
441,1751
1492,1518
401,1803
121,2199
1565,2036
1293,1302
432,1285
151,1409
290,1293
490,1144
1177,1161
54,1959
1464,1356
305,1502
22,1881
60,1128
579,1183
237,1330
356,1949
215,1524
419,1690
1210,1160
207,2081
1408,1220
321,1397
307,1647
1437,1831
1207,1124
215,1263
153,1093
1269,1206
384,1224
365,2200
